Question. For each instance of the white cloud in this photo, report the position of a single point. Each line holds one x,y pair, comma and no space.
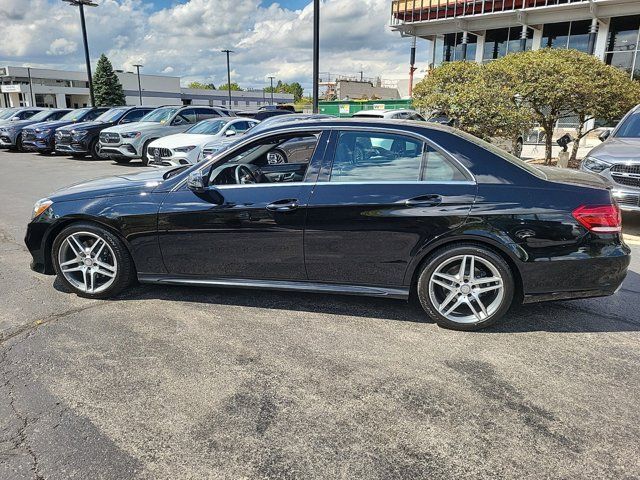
62,46
186,39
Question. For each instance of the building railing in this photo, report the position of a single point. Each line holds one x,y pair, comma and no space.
411,11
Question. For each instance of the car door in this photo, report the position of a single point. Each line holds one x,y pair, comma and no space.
252,231
381,195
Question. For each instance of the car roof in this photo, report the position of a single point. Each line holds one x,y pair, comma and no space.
360,122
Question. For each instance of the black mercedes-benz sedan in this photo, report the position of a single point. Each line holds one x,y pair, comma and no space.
381,208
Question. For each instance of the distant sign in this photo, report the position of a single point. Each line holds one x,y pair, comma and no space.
10,88
379,106
345,109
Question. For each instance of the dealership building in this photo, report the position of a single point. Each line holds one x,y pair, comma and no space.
26,86
483,30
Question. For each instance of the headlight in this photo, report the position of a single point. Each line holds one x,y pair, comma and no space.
184,149
40,207
79,134
44,130
130,135
594,165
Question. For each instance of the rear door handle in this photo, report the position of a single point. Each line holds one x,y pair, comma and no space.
424,201
283,206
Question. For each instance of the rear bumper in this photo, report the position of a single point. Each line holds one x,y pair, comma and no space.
579,277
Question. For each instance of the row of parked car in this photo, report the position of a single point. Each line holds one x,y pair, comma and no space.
126,133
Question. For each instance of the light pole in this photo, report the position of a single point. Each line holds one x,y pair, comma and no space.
228,52
138,67
271,79
316,54
81,4
33,104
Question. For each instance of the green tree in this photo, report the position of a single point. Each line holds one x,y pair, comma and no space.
106,85
556,83
294,89
234,87
202,86
463,91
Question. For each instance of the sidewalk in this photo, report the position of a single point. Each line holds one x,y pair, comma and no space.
533,152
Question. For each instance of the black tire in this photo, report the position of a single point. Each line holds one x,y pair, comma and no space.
94,150
145,157
19,147
439,258
121,160
125,273
78,155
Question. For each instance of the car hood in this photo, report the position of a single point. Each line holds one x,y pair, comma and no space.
618,150
20,123
136,127
182,140
145,182
51,125
86,126
574,177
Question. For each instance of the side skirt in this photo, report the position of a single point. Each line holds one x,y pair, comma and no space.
397,292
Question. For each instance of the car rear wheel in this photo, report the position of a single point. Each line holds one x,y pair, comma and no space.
91,261
466,287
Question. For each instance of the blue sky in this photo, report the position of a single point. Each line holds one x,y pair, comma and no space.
183,38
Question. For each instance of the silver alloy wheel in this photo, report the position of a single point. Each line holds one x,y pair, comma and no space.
466,289
87,262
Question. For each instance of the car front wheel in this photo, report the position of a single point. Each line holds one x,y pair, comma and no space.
91,261
466,287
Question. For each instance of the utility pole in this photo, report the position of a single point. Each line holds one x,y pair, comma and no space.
228,52
138,66
316,55
81,4
271,78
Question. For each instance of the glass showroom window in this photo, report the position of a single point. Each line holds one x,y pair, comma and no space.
448,48
622,45
573,35
500,42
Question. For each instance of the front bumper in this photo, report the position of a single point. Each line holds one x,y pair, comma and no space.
73,147
7,140
627,199
38,145
124,150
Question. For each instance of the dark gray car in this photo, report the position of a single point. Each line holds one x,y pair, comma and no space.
617,158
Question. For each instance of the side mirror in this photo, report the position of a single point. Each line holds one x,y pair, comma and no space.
230,133
604,135
177,121
196,182
124,120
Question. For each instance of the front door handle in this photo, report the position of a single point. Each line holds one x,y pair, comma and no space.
283,206
424,201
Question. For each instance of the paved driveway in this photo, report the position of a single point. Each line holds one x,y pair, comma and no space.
183,383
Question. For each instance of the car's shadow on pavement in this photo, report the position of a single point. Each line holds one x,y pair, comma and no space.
578,316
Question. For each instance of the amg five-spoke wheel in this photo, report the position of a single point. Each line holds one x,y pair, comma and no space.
466,287
92,261
87,262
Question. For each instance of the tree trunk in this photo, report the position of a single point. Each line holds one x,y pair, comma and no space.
548,144
576,142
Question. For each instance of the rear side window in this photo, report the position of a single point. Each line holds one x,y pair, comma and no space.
437,168
371,157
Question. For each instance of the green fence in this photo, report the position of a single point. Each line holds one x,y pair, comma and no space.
348,108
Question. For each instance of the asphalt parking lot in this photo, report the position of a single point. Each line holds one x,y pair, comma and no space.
182,383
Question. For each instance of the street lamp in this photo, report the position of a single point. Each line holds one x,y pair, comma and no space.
316,54
271,79
33,104
81,4
228,74
138,67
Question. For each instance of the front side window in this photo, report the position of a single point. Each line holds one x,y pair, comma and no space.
630,128
134,116
185,117
376,157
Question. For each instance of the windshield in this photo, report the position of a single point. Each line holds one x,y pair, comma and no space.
43,115
112,115
6,114
630,128
207,127
75,115
159,115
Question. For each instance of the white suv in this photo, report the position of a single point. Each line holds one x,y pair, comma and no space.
124,143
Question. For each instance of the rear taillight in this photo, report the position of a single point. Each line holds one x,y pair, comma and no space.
599,218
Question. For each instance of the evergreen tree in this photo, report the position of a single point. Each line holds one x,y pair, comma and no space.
106,85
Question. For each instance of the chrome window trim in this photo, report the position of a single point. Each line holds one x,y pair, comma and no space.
332,128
